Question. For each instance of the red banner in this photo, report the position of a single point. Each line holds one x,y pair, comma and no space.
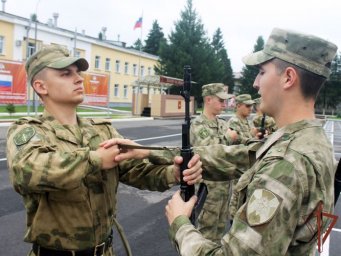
12,82
96,89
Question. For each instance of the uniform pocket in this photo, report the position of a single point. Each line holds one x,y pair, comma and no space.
75,195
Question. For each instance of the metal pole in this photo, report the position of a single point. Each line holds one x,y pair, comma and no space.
35,49
108,97
27,56
75,43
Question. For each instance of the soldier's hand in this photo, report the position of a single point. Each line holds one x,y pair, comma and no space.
192,175
260,135
107,156
232,134
126,153
176,207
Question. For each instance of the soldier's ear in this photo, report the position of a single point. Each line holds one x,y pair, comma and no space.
289,77
39,86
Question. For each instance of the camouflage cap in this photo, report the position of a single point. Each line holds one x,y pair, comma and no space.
305,51
257,101
245,99
215,89
52,56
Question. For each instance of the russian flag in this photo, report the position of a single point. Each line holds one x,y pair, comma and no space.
6,83
138,23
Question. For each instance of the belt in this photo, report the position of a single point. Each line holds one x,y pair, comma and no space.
98,250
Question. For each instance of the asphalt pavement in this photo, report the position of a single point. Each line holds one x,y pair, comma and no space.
141,213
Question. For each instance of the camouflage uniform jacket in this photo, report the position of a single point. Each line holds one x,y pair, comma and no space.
213,218
277,197
269,124
242,127
205,132
70,201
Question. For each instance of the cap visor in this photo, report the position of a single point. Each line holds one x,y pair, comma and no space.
224,96
257,58
249,102
81,63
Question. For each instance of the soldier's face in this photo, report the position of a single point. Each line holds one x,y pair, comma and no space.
244,110
64,86
268,83
218,105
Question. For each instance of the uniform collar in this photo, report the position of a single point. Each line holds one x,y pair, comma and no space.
286,132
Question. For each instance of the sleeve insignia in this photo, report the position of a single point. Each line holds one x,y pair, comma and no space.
261,207
24,136
203,133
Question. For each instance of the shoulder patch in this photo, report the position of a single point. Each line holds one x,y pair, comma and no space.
261,207
203,133
24,136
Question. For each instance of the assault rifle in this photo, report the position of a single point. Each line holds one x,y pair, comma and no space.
262,127
187,191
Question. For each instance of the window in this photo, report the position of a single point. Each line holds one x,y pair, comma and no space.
97,61
135,89
117,67
142,71
126,68
107,64
31,49
116,90
149,71
125,91
2,45
134,69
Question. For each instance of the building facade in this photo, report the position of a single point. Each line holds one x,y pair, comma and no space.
20,37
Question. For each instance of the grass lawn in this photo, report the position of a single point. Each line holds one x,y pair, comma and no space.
80,110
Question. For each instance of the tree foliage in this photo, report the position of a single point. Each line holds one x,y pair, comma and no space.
154,39
249,73
226,72
137,45
189,45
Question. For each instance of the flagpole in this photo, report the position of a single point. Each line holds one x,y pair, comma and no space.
138,110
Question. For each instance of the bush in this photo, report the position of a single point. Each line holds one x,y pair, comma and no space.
10,108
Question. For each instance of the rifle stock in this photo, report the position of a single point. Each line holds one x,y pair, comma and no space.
337,183
187,191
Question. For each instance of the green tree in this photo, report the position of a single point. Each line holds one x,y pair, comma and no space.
226,75
154,40
249,73
189,45
10,108
137,45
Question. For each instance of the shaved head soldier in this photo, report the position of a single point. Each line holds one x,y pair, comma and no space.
288,178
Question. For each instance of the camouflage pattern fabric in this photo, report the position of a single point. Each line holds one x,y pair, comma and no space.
70,201
242,127
305,51
269,125
276,199
213,218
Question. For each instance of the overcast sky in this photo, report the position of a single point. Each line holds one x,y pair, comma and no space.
241,21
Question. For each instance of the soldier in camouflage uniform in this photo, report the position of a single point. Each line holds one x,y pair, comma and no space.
288,176
67,180
269,122
208,129
239,122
